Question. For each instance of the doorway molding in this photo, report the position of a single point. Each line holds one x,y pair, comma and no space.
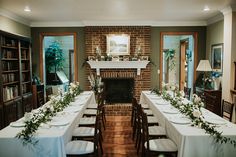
195,37
41,58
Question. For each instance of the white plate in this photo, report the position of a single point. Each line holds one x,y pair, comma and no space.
17,124
72,109
162,102
215,121
59,123
180,120
170,111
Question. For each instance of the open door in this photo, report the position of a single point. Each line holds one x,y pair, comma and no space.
183,64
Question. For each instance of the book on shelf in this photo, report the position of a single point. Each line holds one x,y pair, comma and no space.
10,92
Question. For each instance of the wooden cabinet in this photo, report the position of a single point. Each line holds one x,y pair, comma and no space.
211,98
15,71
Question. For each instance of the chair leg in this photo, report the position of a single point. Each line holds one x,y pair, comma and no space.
139,142
100,144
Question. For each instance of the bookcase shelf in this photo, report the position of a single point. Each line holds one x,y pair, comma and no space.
16,76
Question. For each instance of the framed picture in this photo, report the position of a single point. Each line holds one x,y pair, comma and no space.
144,58
118,44
217,57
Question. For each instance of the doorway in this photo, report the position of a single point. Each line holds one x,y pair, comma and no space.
58,60
178,58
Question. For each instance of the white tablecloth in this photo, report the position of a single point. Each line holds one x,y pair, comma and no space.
51,139
191,141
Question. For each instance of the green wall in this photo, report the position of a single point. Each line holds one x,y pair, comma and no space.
155,46
215,35
80,45
14,27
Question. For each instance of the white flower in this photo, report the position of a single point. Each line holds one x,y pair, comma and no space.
172,87
27,116
179,103
196,113
182,93
196,99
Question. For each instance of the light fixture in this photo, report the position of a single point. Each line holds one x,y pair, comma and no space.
27,9
206,8
204,65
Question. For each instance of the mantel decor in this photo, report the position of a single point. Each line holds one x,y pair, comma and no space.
118,65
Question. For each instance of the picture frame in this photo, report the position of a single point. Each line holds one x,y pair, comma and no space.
144,58
118,44
217,57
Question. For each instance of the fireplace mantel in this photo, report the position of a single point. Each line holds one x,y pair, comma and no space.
118,65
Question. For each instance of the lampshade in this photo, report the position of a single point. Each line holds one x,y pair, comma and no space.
204,65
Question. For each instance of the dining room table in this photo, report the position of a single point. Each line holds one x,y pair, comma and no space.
51,136
191,141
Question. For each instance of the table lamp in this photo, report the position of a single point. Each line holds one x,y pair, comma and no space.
204,65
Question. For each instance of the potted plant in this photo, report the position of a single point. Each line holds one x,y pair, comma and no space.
54,58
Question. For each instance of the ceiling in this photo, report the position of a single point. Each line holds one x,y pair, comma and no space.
112,12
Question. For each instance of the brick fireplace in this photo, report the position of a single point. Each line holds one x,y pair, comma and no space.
139,36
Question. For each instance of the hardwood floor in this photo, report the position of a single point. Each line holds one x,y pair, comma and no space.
117,138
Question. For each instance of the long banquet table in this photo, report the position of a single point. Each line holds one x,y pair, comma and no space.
51,138
191,141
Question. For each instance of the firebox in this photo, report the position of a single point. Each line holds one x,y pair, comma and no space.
118,90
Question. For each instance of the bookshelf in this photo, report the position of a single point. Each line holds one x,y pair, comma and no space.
15,80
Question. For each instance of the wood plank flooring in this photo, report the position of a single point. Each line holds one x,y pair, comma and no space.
117,138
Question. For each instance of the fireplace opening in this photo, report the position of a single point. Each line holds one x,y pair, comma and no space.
119,90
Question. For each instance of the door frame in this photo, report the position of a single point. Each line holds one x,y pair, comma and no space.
41,57
195,37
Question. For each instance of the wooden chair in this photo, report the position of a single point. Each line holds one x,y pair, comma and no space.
187,92
82,147
227,110
40,98
48,93
154,147
87,133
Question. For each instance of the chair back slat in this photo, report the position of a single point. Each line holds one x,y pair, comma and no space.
227,110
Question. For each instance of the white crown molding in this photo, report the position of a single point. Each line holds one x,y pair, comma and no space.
116,23
229,9
56,24
215,19
14,17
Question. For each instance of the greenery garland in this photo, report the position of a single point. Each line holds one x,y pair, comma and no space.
193,111
44,114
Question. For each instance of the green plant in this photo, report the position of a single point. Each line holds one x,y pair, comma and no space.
169,55
54,57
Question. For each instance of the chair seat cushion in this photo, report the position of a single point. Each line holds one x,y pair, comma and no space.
90,112
92,106
148,112
152,119
79,147
162,145
83,131
156,131
87,121
145,106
